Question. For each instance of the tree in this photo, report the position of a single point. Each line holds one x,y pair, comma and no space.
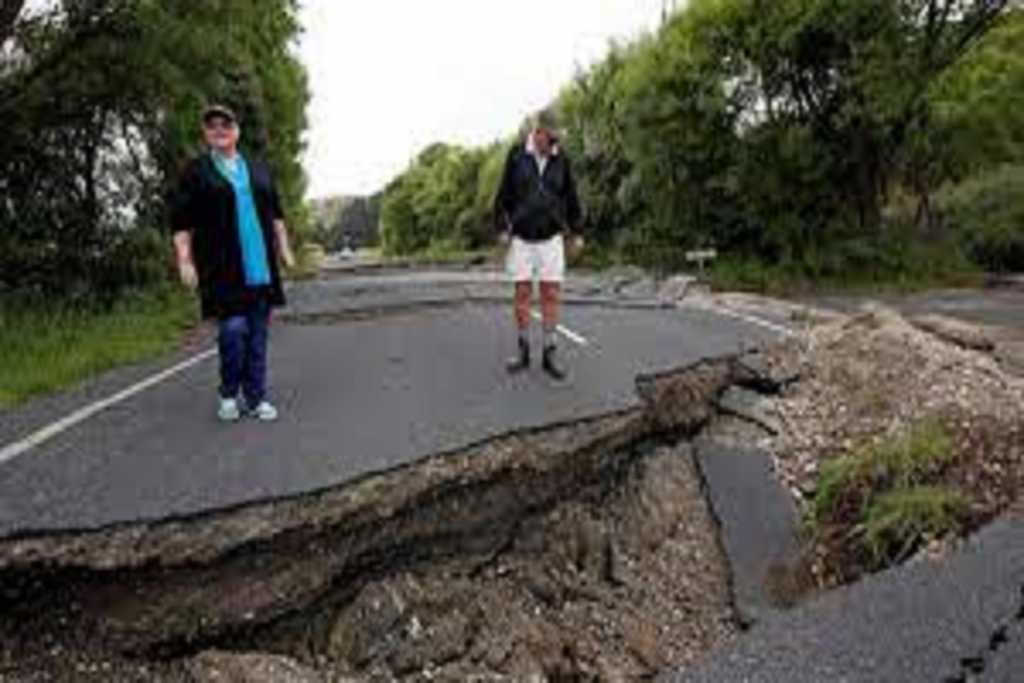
101,100
778,130
977,104
435,202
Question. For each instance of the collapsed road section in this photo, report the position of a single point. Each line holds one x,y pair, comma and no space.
607,548
579,551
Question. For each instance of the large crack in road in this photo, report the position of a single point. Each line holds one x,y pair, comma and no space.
611,548
577,551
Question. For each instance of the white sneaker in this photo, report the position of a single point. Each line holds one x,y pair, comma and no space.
228,411
264,412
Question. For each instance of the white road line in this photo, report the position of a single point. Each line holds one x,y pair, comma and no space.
13,450
752,319
564,331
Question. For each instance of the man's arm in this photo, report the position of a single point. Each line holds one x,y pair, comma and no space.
503,198
284,247
574,210
282,244
184,217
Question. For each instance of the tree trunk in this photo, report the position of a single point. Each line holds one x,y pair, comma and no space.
10,10
866,181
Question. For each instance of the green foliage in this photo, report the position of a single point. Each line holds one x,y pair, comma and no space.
347,221
901,257
901,462
881,502
309,260
51,345
977,104
986,212
590,106
778,132
100,101
897,521
440,199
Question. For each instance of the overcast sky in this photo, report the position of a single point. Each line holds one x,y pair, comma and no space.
389,77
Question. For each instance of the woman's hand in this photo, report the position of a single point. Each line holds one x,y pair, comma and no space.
287,257
284,245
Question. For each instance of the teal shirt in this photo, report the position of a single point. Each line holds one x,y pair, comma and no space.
250,232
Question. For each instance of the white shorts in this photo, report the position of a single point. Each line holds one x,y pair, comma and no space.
544,261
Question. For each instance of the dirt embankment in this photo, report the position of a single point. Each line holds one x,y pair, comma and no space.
869,376
893,432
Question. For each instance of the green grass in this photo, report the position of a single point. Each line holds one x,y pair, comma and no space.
441,252
885,499
775,280
897,521
900,462
50,346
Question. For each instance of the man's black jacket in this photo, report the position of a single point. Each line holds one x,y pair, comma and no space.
537,207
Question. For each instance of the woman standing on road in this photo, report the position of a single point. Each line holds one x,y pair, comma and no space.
229,233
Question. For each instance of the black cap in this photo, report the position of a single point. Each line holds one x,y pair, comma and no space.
215,110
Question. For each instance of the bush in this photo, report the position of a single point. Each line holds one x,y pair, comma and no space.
900,462
986,212
897,256
876,506
50,345
140,258
897,522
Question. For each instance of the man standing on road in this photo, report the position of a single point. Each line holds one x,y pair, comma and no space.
229,232
537,210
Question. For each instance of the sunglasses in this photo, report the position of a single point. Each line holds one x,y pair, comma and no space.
219,124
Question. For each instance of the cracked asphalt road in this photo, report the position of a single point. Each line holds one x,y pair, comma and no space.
364,396
357,397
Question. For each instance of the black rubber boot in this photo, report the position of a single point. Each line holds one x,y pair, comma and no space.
551,365
522,361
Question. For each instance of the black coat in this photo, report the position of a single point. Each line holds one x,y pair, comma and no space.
204,205
534,207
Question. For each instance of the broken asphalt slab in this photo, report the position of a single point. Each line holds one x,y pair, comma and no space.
928,621
758,523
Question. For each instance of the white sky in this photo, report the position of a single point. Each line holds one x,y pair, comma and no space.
389,77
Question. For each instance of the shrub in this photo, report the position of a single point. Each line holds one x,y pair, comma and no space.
896,522
904,461
986,212
878,505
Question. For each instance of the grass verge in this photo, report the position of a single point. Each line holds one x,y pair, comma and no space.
759,278
896,522
49,346
899,462
877,506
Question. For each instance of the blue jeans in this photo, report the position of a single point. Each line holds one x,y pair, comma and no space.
243,354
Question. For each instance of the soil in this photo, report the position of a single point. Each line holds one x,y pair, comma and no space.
870,376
